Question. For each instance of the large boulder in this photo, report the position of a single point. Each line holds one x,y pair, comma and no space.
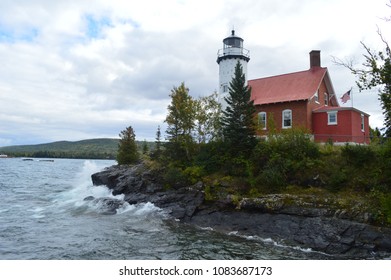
141,185
105,205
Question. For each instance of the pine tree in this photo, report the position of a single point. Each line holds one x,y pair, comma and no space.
238,118
127,147
145,147
158,140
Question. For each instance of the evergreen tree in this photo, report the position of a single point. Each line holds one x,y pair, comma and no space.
180,121
158,143
127,147
238,124
145,147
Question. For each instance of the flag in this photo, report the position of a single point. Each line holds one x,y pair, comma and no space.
346,96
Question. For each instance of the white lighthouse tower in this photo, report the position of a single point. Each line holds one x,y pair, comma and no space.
227,58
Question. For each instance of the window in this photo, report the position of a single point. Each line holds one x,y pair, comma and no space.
326,99
316,96
362,123
332,118
225,88
262,120
287,118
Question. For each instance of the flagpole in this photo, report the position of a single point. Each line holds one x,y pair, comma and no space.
351,96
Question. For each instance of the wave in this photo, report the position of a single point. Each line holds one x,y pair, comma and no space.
83,197
269,241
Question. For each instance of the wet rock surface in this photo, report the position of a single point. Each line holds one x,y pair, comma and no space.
309,223
141,186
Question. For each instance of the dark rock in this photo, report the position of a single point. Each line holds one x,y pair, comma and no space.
308,222
105,205
337,237
141,185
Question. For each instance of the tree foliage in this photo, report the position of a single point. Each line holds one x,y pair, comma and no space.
238,124
181,121
375,72
127,147
207,118
158,144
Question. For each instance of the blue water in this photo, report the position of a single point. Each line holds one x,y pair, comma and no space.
43,215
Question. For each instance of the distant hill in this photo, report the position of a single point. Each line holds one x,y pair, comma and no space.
103,148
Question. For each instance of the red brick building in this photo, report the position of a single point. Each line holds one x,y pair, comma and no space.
307,99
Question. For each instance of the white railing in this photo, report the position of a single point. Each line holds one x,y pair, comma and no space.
233,51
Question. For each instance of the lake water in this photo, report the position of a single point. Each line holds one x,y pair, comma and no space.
43,215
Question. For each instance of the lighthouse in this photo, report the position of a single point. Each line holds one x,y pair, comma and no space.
227,58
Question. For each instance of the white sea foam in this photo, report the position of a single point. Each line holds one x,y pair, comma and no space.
207,228
273,242
82,187
146,208
126,207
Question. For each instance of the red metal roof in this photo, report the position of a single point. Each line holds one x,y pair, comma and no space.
288,87
335,108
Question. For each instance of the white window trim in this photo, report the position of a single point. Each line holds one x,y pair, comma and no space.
316,96
259,118
326,99
283,113
336,118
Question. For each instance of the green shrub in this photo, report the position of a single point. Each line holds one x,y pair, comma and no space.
385,203
358,155
194,174
175,177
337,181
381,207
384,154
286,158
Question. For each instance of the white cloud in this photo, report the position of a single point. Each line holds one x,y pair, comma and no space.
83,69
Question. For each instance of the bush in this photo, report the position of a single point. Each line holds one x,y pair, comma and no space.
358,155
175,177
384,154
193,174
385,203
381,206
286,158
210,156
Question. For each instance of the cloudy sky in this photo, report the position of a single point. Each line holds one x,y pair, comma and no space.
72,70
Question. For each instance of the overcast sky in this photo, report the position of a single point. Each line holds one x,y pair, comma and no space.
72,70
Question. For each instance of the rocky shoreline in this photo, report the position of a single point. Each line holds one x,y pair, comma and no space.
315,224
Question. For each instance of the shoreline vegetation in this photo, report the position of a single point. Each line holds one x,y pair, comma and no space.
352,181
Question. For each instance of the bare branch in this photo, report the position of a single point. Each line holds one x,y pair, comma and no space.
383,39
387,18
347,63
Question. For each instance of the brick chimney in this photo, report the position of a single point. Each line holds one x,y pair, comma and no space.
314,59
